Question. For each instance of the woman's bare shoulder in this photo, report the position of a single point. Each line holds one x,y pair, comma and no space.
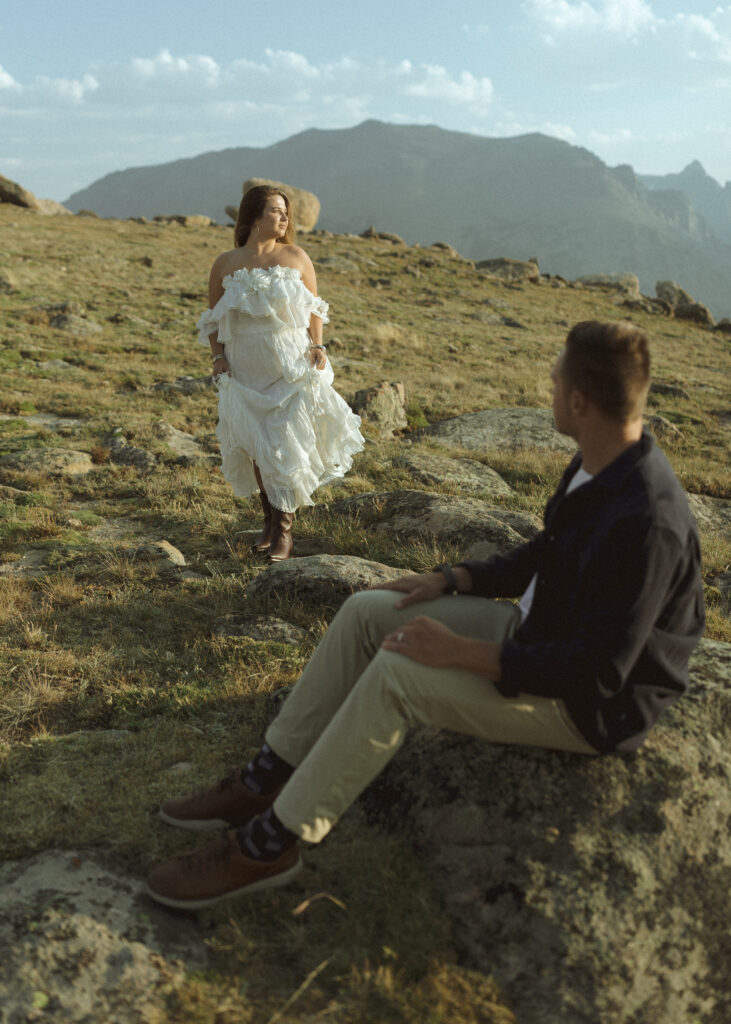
227,261
293,256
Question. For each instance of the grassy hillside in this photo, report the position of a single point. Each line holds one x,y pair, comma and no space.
96,637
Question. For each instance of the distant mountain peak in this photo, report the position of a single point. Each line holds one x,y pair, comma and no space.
696,169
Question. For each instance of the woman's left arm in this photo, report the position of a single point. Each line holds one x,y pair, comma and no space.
309,279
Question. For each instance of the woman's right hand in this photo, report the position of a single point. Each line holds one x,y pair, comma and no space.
221,366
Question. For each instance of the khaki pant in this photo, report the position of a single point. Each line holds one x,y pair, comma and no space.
348,713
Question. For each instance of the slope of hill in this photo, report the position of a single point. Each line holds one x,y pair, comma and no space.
710,199
526,196
128,677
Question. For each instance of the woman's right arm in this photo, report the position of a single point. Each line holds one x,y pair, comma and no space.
215,291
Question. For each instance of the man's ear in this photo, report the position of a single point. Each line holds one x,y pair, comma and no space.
578,403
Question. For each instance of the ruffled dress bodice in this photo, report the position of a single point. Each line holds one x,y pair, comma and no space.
276,409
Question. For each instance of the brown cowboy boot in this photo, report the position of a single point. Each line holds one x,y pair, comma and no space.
281,542
262,541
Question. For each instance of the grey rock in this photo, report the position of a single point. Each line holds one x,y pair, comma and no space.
502,428
324,579
192,220
724,326
662,387
185,446
384,406
185,385
712,514
722,583
448,518
672,293
123,453
8,282
74,324
644,305
626,283
696,312
167,557
55,364
592,889
53,461
262,628
463,474
510,271
662,428
81,943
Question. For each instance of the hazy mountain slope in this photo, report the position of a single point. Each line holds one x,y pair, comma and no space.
709,198
527,196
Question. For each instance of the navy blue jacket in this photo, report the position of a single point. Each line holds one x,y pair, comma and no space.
618,605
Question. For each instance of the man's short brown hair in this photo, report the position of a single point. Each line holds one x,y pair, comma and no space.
609,363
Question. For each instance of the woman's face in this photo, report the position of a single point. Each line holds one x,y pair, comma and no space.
274,219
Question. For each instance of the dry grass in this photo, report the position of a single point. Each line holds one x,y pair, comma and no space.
116,690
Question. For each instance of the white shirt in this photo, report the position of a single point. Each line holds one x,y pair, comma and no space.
580,477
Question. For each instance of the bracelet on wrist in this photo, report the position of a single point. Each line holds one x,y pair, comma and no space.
220,355
448,572
319,346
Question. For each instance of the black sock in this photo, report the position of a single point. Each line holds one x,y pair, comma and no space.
266,772
265,837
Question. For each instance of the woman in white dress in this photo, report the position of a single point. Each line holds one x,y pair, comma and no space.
284,431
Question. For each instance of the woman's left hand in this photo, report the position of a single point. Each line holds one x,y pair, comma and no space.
317,357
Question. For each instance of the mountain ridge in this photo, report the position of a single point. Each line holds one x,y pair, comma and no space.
529,195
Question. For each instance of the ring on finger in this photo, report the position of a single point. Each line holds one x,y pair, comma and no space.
400,638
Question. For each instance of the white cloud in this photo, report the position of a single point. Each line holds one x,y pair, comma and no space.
6,80
435,82
560,131
620,17
619,137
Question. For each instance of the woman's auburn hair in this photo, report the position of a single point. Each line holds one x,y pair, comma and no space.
252,207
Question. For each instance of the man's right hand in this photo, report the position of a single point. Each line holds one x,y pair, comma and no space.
423,587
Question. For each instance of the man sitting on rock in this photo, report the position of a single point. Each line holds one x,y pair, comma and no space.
611,608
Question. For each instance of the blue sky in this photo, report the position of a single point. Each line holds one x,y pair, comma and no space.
91,87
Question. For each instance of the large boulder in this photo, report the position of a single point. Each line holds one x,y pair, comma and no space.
324,579
383,405
305,205
502,428
672,293
462,474
54,462
626,283
444,517
510,271
591,889
79,944
13,193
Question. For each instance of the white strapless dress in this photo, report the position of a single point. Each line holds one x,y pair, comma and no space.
275,409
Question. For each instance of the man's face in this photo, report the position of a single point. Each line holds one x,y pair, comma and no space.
562,415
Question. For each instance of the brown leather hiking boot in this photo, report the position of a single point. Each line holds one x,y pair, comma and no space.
281,544
227,803
218,872
262,541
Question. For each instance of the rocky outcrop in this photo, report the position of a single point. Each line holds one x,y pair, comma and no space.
305,205
383,405
13,193
185,385
502,428
510,271
262,628
462,474
324,579
627,284
54,462
124,453
713,514
445,517
591,889
80,943
684,306
191,220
